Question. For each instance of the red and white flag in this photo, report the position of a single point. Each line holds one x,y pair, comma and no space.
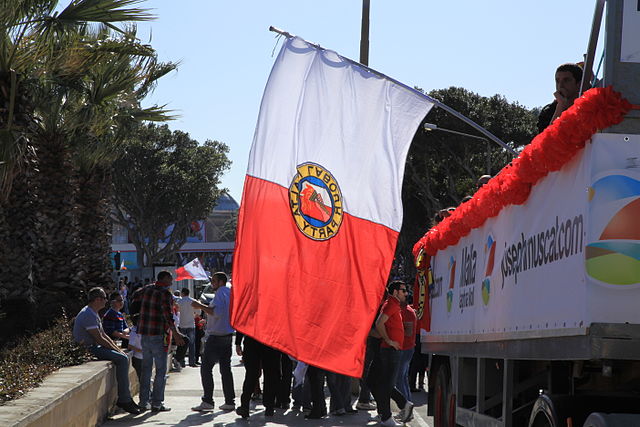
321,208
192,270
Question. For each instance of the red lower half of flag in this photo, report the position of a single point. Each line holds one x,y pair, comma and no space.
314,300
182,274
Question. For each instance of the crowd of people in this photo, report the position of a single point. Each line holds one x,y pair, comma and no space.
156,318
393,368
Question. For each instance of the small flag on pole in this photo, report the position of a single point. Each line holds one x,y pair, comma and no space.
192,270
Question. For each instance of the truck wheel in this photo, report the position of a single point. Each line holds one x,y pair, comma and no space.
544,413
442,397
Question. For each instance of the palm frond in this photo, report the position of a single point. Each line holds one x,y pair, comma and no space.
156,113
123,47
105,11
155,71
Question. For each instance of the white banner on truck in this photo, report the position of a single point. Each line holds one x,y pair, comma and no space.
630,45
523,273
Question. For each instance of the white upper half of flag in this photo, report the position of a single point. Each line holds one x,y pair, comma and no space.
320,108
196,270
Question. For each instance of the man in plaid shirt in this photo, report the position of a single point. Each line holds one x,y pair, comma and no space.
155,326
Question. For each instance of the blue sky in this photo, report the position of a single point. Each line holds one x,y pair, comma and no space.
507,47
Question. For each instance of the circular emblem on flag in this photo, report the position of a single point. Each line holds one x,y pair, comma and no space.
316,202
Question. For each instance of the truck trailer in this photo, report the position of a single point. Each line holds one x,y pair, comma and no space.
532,289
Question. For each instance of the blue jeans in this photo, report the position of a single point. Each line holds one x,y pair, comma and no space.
402,381
191,334
153,352
217,350
122,369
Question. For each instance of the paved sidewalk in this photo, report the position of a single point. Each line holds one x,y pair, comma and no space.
184,390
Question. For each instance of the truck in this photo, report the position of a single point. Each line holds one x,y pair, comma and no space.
531,291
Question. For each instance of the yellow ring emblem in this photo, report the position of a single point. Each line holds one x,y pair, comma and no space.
316,202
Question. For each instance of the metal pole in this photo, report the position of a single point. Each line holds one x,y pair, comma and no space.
417,92
364,33
591,48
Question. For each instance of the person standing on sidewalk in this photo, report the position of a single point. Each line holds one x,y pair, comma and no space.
155,326
383,374
257,355
217,349
187,324
87,330
410,322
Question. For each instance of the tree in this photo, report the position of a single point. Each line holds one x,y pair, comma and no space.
163,181
45,57
121,76
442,167
229,228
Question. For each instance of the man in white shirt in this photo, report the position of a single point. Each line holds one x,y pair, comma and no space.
187,324
217,349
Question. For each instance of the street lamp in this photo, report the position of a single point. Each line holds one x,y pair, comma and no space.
430,126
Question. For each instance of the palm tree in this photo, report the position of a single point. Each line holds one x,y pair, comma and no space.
113,90
43,61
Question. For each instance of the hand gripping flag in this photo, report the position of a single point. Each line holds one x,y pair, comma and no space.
321,207
192,270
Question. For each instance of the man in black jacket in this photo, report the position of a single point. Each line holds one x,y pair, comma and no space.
568,79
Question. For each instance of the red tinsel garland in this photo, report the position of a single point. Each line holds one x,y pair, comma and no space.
595,110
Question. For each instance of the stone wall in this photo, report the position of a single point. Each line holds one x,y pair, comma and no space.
75,396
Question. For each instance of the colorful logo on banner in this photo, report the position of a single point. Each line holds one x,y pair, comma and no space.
424,279
452,280
316,202
490,254
615,257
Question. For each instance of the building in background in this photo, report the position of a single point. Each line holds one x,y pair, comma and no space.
212,240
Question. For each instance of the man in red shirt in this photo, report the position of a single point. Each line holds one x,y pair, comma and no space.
382,379
410,321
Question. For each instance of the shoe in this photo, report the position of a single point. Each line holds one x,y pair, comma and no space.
182,364
390,422
130,407
204,407
306,411
296,408
351,410
365,406
257,397
284,406
339,412
227,407
161,408
243,412
315,415
406,413
269,412
194,365
144,407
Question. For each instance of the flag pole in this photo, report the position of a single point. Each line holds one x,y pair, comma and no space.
434,101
